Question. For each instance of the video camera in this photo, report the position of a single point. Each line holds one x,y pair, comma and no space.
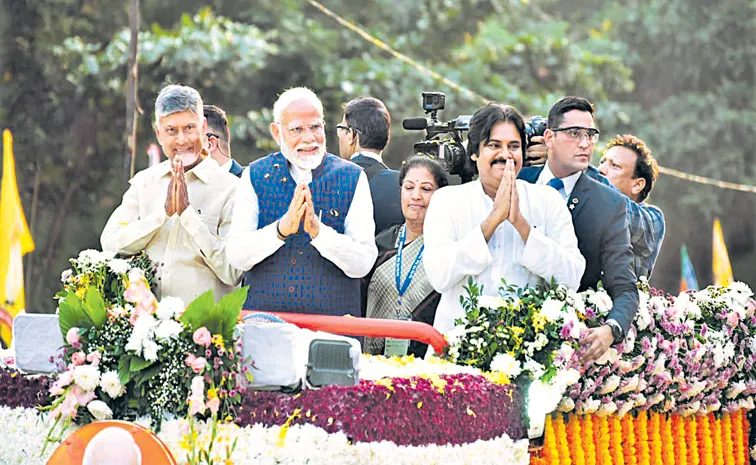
443,140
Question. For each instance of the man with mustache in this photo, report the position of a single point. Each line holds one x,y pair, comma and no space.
496,227
599,214
179,211
303,219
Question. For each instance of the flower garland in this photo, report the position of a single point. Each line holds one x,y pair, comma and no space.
615,431
728,449
550,449
562,443
640,424
575,440
717,438
589,439
679,432
737,438
629,445
605,445
668,439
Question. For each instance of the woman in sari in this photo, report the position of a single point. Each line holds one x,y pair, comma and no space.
397,286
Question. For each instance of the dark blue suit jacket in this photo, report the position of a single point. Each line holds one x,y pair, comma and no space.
384,188
599,215
236,168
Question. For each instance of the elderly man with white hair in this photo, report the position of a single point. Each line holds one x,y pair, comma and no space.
112,446
179,211
303,226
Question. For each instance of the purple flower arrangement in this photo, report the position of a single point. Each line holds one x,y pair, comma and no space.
459,409
19,390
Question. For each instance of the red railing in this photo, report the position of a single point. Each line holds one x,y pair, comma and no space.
372,327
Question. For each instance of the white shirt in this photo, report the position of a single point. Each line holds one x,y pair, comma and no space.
375,156
227,166
569,182
190,247
455,247
354,252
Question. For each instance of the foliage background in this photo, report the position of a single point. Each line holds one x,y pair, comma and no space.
678,73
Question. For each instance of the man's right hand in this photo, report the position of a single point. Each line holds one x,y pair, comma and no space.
537,153
502,202
171,203
289,223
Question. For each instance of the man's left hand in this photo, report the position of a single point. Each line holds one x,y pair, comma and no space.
311,221
182,194
597,342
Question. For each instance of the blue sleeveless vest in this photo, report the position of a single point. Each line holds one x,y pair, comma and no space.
296,278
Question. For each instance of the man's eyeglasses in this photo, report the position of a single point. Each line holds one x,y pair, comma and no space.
577,133
315,128
348,128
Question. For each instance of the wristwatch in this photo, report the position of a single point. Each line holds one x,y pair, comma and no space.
617,331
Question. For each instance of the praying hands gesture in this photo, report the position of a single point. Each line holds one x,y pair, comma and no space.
506,206
177,199
300,208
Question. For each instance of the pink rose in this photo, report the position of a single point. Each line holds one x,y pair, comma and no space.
190,358
94,357
72,336
78,358
198,364
213,404
202,337
733,319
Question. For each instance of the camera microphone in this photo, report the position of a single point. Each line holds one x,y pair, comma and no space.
415,124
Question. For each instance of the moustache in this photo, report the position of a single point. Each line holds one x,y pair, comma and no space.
501,160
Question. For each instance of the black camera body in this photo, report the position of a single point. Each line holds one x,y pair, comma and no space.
535,126
443,140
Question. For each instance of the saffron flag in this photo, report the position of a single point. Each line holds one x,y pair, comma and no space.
15,241
720,260
688,280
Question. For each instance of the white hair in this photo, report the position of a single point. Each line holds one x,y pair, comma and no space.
112,446
174,98
292,95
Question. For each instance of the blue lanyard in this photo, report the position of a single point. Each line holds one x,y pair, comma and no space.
401,288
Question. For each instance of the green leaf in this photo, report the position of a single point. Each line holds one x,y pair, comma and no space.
124,372
147,375
226,313
95,307
196,314
139,364
72,315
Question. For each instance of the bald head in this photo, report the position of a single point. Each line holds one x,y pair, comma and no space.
112,446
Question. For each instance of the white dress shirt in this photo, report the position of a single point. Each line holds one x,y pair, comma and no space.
227,166
455,247
191,247
374,155
354,252
569,182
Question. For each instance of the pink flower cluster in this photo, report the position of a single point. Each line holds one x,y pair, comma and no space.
410,412
139,294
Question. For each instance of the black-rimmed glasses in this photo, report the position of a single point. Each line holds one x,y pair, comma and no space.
348,128
577,133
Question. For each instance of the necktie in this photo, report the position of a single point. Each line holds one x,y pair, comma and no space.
557,184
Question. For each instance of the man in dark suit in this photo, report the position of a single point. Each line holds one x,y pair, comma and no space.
599,215
363,134
218,143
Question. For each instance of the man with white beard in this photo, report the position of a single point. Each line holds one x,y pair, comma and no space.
302,226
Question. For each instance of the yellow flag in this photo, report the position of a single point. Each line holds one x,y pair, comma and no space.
15,240
720,260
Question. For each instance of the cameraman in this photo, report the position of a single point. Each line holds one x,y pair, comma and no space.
628,166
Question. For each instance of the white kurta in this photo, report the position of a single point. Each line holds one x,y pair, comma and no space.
455,247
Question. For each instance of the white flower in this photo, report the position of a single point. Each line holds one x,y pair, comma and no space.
111,384
87,377
747,403
680,307
119,266
741,288
610,384
552,309
735,390
490,301
610,356
100,410
643,318
566,378
534,367
601,300
590,406
170,307
577,301
630,386
144,328
566,405
150,350
606,409
168,329
506,364
66,275
88,256
105,256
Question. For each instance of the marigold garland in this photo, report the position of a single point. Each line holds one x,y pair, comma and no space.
550,451
642,439
655,434
705,441
737,438
629,446
728,448
616,436
692,428
668,440
562,443
575,440
589,442
604,442
716,426
680,446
